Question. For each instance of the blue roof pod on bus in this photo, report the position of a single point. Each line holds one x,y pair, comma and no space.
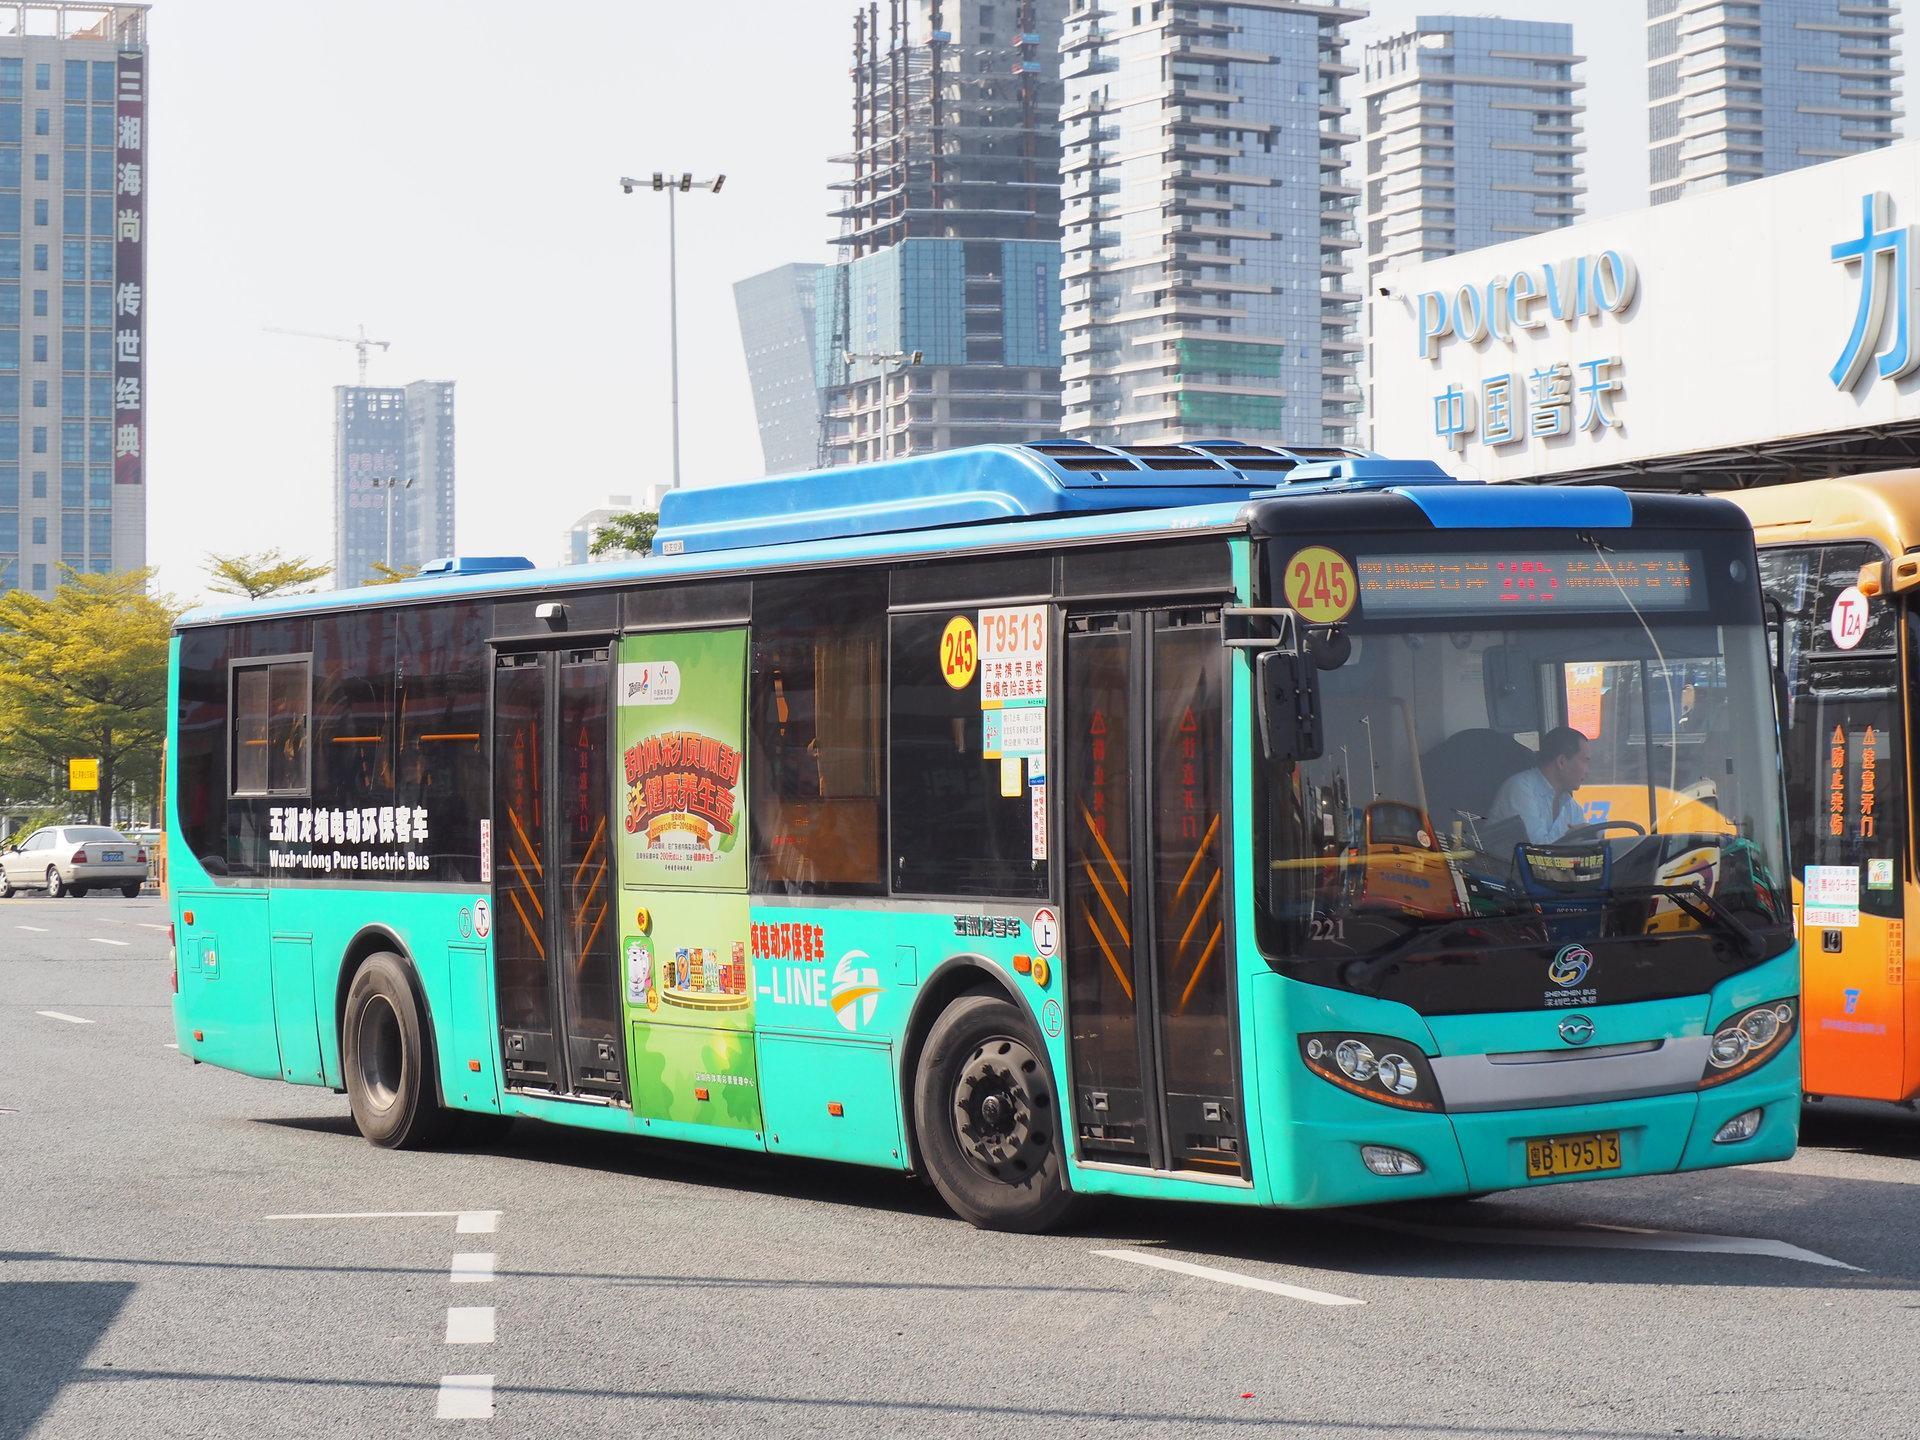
1009,482
473,565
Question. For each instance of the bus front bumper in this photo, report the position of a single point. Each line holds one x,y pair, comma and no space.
1472,1154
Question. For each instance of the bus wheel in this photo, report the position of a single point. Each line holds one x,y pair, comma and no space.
988,1119
385,1050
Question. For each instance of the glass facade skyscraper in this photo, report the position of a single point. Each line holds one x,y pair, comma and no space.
393,493
1472,132
777,331
73,206
940,327
1737,89
1207,222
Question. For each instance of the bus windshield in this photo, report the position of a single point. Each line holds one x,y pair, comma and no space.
1503,783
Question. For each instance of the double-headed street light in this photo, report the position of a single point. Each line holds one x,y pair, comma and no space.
389,483
673,185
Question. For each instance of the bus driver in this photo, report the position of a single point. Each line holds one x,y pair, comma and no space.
1541,796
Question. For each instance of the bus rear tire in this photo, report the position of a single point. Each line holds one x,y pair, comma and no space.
988,1118
386,1052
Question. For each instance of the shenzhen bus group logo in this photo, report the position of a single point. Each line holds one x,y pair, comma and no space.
1570,966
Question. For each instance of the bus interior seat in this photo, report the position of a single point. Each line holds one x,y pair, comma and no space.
1465,771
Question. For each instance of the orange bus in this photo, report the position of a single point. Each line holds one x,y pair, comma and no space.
1840,565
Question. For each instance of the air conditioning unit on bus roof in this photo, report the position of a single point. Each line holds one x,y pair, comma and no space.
983,483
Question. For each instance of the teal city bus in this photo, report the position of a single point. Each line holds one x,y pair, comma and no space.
1045,820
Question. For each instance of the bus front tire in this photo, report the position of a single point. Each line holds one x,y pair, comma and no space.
386,1051
988,1118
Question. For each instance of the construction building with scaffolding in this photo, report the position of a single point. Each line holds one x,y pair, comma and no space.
939,326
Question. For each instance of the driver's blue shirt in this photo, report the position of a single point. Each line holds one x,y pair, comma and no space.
1545,812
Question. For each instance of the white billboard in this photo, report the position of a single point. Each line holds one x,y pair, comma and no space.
1779,308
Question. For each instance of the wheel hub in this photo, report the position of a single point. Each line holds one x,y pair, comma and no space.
1002,1110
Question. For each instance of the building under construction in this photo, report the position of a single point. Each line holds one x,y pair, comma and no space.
940,325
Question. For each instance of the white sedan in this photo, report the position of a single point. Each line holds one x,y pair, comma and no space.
73,859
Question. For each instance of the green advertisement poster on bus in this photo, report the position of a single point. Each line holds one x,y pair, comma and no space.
685,968
682,717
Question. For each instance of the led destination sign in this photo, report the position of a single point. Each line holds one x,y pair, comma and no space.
1488,581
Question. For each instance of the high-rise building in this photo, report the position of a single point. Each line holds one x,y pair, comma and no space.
776,311
941,325
1207,222
1472,136
73,298
1737,89
393,469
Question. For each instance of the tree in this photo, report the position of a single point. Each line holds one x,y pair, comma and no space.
391,574
267,573
84,674
630,532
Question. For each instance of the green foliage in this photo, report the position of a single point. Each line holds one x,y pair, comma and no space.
84,674
266,573
391,574
629,532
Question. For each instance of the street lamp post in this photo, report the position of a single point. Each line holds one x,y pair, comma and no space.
672,185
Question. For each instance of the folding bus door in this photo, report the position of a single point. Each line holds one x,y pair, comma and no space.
1148,959
553,877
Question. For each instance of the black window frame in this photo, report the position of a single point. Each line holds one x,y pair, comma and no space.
304,659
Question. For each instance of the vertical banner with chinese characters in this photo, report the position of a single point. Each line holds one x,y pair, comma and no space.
130,270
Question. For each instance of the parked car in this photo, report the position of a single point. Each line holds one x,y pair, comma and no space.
73,859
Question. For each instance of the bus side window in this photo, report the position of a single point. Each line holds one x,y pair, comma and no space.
813,769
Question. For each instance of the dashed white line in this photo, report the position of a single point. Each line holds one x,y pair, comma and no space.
382,1215
61,1015
1228,1277
1612,1237
149,925
472,1267
465,1397
469,1324
100,940
36,929
478,1222
171,1045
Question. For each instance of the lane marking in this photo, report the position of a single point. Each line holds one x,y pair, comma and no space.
477,1222
98,940
469,1324
382,1215
58,1015
36,929
472,1267
465,1397
1614,1237
149,925
172,1046
1228,1277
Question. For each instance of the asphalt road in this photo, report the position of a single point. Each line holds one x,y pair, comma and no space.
151,1283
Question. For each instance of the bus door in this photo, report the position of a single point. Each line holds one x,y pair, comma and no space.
553,879
1149,971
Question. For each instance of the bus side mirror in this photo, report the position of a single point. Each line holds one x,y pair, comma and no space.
1288,700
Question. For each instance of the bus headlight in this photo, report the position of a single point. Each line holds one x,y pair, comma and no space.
1748,1040
1378,1067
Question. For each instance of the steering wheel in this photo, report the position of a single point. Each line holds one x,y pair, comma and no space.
1600,827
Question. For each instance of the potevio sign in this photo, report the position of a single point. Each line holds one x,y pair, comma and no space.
1563,291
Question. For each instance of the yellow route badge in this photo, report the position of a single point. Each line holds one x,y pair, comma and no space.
1320,585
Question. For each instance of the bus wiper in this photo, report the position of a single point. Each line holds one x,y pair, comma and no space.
1704,908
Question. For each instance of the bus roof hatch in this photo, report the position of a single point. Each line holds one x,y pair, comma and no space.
1009,482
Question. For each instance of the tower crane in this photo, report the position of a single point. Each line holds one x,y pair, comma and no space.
360,342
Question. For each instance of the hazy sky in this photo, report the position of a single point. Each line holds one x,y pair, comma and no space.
447,174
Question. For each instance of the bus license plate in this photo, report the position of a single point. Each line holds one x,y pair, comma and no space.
113,857
1573,1154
